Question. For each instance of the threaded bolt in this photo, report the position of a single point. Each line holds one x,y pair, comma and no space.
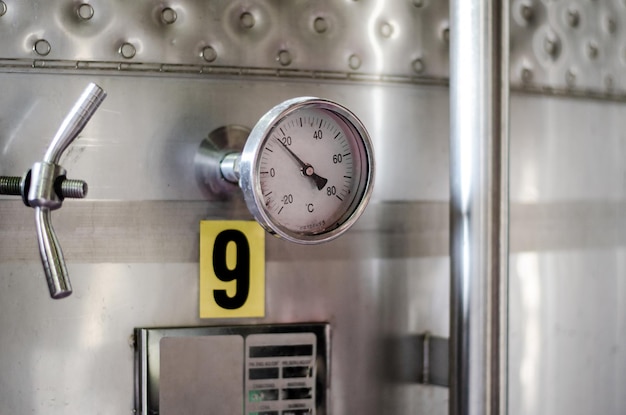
71,189
10,185
74,189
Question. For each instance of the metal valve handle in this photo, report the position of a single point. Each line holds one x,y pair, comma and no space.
75,121
42,184
45,186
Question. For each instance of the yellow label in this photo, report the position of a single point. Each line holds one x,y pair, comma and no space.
232,269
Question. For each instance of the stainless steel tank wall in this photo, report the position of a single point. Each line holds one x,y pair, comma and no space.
567,274
137,233
132,245
567,292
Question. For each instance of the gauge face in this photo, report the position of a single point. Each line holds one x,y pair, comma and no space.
309,168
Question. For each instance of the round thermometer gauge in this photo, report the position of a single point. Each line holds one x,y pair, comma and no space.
307,170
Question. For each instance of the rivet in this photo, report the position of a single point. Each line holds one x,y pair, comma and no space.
85,11
132,342
551,45
418,3
3,8
208,54
527,75
354,61
247,20
168,15
611,25
570,78
573,17
42,47
445,34
386,29
592,50
527,12
418,65
284,57
320,25
127,50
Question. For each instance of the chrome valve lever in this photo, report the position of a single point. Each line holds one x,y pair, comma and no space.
45,187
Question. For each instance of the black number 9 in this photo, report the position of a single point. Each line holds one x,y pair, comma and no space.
240,273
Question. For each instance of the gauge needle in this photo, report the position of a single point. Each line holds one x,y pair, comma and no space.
306,168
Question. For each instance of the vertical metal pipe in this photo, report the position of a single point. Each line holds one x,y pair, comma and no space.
479,101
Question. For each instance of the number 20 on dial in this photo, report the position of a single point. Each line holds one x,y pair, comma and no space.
232,269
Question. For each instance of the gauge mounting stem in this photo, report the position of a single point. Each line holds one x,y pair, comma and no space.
229,167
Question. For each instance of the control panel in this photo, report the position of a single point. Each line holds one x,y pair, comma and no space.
248,370
280,374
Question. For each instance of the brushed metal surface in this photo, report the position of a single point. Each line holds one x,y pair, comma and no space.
132,248
402,38
479,206
132,244
157,124
111,299
567,151
569,45
567,328
105,231
134,238
192,375
568,331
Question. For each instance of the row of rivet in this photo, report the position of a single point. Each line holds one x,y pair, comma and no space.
552,43
85,11
127,50
571,16
527,12
570,78
553,47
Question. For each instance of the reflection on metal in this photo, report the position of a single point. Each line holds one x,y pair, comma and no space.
568,263
569,46
321,39
421,358
221,143
182,370
478,206
565,47
45,186
132,247
282,162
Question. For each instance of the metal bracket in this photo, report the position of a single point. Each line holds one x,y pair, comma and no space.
419,358
162,382
217,161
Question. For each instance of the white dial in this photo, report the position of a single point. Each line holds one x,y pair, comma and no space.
308,169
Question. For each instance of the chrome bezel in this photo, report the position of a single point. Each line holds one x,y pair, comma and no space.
249,180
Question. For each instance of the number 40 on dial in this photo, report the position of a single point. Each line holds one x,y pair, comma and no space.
232,269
